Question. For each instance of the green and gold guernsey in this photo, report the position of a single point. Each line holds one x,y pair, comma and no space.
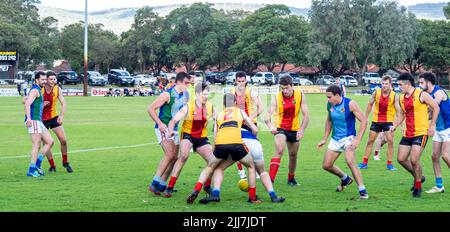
37,106
168,110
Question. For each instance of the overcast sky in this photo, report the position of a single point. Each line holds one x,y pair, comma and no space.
95,5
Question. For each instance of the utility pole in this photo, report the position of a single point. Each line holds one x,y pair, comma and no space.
86,25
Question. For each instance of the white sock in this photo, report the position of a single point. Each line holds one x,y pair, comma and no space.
344,177
361,188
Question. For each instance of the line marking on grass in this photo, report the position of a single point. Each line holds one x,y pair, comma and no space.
86,150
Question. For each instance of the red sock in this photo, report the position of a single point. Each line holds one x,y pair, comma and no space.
274,165
51,162
389,162
208,183
418,184
239,166
64,157
365,160
172,182
291,176
198,187
376,153
252,193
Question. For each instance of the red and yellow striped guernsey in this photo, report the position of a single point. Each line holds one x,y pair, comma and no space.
196,120
229,124
245,102
49,111
384,107
416,115
287,113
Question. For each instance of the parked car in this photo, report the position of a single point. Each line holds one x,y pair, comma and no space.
3,82
303,81
144,79
348,81
258,78
120,77
25,75
295,77
199,76
94,78
371,78
216,77
269,78
67,77
326,80
231,78
262,78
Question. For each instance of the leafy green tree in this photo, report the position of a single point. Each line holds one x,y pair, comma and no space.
102,46
145,40
351,33
447,11
22,30
271,36
185,30
435,44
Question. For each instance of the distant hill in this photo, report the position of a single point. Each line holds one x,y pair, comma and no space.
432,11
120,20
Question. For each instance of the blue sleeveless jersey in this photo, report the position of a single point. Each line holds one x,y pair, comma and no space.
443,121
342,119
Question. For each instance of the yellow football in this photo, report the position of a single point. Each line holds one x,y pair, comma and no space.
243,185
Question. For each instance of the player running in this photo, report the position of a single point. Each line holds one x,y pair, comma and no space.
384,100
34,104
414,104
286,106
229,148
53,121
342,112
194,133
441,138
168,103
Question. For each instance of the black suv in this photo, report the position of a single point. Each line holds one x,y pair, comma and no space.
120,77
216,77
66,77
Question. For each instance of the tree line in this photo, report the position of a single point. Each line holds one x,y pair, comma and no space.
337,36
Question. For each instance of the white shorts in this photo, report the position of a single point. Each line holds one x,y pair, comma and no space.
256,149
37,127
175,137
341,145
442,136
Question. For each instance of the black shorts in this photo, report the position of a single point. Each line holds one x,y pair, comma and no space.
51,123
417,141
196,142
380,126
291,136
236,151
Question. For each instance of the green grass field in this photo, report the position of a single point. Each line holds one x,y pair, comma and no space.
113,150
